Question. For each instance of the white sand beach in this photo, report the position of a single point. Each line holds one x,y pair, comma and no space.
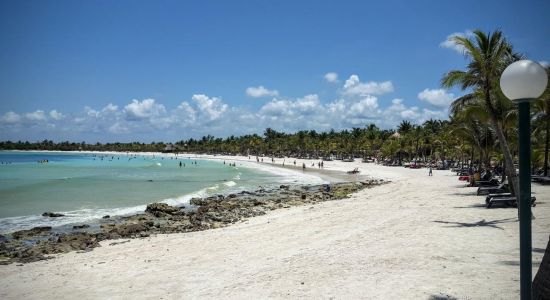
414,238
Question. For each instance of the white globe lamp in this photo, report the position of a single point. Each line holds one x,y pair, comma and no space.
523,80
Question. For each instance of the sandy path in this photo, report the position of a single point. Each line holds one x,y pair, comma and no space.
416,237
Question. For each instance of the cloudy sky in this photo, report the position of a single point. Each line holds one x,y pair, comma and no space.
169,70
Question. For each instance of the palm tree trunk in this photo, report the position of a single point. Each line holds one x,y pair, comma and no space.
541,283
508,161
546,146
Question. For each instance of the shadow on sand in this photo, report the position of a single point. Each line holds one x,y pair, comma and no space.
482,223
479,205
442,297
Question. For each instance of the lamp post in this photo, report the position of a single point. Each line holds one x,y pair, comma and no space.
522,82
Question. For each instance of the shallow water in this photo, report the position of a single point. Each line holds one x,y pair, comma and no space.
86,186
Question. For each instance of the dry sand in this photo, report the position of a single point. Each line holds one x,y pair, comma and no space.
414,238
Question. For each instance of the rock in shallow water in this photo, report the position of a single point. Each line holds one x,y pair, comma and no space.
81,226
52,215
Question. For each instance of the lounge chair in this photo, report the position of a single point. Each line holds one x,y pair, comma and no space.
542,179
479,183
486,190
509,200
490,196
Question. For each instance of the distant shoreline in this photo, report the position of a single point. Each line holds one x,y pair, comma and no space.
331,176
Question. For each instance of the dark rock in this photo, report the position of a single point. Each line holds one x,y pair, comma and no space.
231,196
76,241
106,217
52,215
284,187
161,209
127,230
81,226
303,197
198,201
25,234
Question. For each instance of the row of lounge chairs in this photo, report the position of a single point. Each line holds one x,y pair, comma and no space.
500,194
495,193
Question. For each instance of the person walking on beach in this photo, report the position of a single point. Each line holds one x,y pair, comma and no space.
303,166
430,173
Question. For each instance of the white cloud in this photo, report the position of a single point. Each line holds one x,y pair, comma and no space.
54,114
354,87
450,44
544,63
411,113
90,112
143,109
10,118
118,128
37,115
356,106
337,107
331,77
260,91
212,108
277,108
436,97
307,105
366,107
109,108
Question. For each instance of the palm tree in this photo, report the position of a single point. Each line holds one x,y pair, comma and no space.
489,55
542,105
404,127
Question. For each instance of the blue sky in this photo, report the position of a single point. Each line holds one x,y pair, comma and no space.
169,70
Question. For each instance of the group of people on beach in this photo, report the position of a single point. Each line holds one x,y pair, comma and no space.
320,164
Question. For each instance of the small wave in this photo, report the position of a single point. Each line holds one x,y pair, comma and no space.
184,199
230,183
213,188
12,224
238,176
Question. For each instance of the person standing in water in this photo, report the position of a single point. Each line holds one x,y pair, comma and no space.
180,164
430,173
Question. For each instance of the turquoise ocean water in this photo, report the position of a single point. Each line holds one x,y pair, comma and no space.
86,186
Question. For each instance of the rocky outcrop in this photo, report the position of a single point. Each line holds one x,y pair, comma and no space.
204,213
30,233
162,209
